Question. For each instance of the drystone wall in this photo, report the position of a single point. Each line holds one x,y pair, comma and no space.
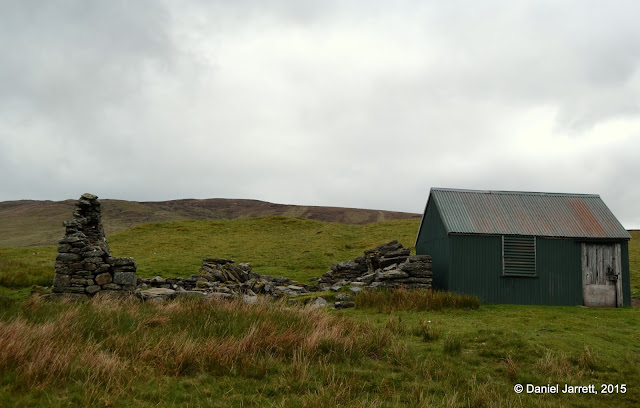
84,266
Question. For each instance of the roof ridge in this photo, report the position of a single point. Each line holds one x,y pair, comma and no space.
460,190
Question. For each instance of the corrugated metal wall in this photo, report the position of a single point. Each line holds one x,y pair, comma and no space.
476,268
433,241
560,271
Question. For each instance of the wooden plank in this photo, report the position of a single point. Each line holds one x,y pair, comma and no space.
593,269
598,251
618,270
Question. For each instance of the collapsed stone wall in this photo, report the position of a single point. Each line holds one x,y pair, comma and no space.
84,265
388,265
222,278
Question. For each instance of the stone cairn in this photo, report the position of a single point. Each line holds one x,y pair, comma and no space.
387,266
84,265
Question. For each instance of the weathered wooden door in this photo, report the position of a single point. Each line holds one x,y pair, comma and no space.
601,275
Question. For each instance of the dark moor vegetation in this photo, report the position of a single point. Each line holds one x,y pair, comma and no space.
413,349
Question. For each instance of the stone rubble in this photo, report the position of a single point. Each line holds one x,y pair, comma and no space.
84,266
343,305
386,266
223,278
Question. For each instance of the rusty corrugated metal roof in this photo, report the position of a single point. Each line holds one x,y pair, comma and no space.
526,213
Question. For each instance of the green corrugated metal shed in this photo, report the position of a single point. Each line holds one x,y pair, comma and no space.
525,247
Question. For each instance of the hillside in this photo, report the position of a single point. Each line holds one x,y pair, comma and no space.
29,223
294,247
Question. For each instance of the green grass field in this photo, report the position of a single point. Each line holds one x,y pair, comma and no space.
389,351
294,247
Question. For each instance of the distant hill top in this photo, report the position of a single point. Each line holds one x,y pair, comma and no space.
34,223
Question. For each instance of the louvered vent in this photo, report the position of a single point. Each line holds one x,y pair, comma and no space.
518,255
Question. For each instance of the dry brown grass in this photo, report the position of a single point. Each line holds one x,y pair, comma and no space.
54,352
112,342
556,366
510,367
419,299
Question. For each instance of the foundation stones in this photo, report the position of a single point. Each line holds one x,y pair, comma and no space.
84,264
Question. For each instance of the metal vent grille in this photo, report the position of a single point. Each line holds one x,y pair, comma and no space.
518,255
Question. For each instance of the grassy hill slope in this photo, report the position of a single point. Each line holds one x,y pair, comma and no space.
37,223
295,247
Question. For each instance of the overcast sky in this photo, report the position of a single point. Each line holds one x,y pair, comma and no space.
362,104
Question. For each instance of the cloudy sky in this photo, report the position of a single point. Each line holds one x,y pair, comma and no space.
342,103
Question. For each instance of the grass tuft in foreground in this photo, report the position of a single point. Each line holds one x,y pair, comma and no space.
419,300
110,343
427,331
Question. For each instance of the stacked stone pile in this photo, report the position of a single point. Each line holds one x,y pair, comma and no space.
413,273
222,277
84,266
388,265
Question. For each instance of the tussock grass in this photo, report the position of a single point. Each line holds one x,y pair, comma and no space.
396,325
554,365
587,360
511,368
427,331
559,366
403,299
452,345
187,352
112,343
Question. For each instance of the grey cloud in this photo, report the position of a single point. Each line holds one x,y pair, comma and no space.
75,64
364,104
577,55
